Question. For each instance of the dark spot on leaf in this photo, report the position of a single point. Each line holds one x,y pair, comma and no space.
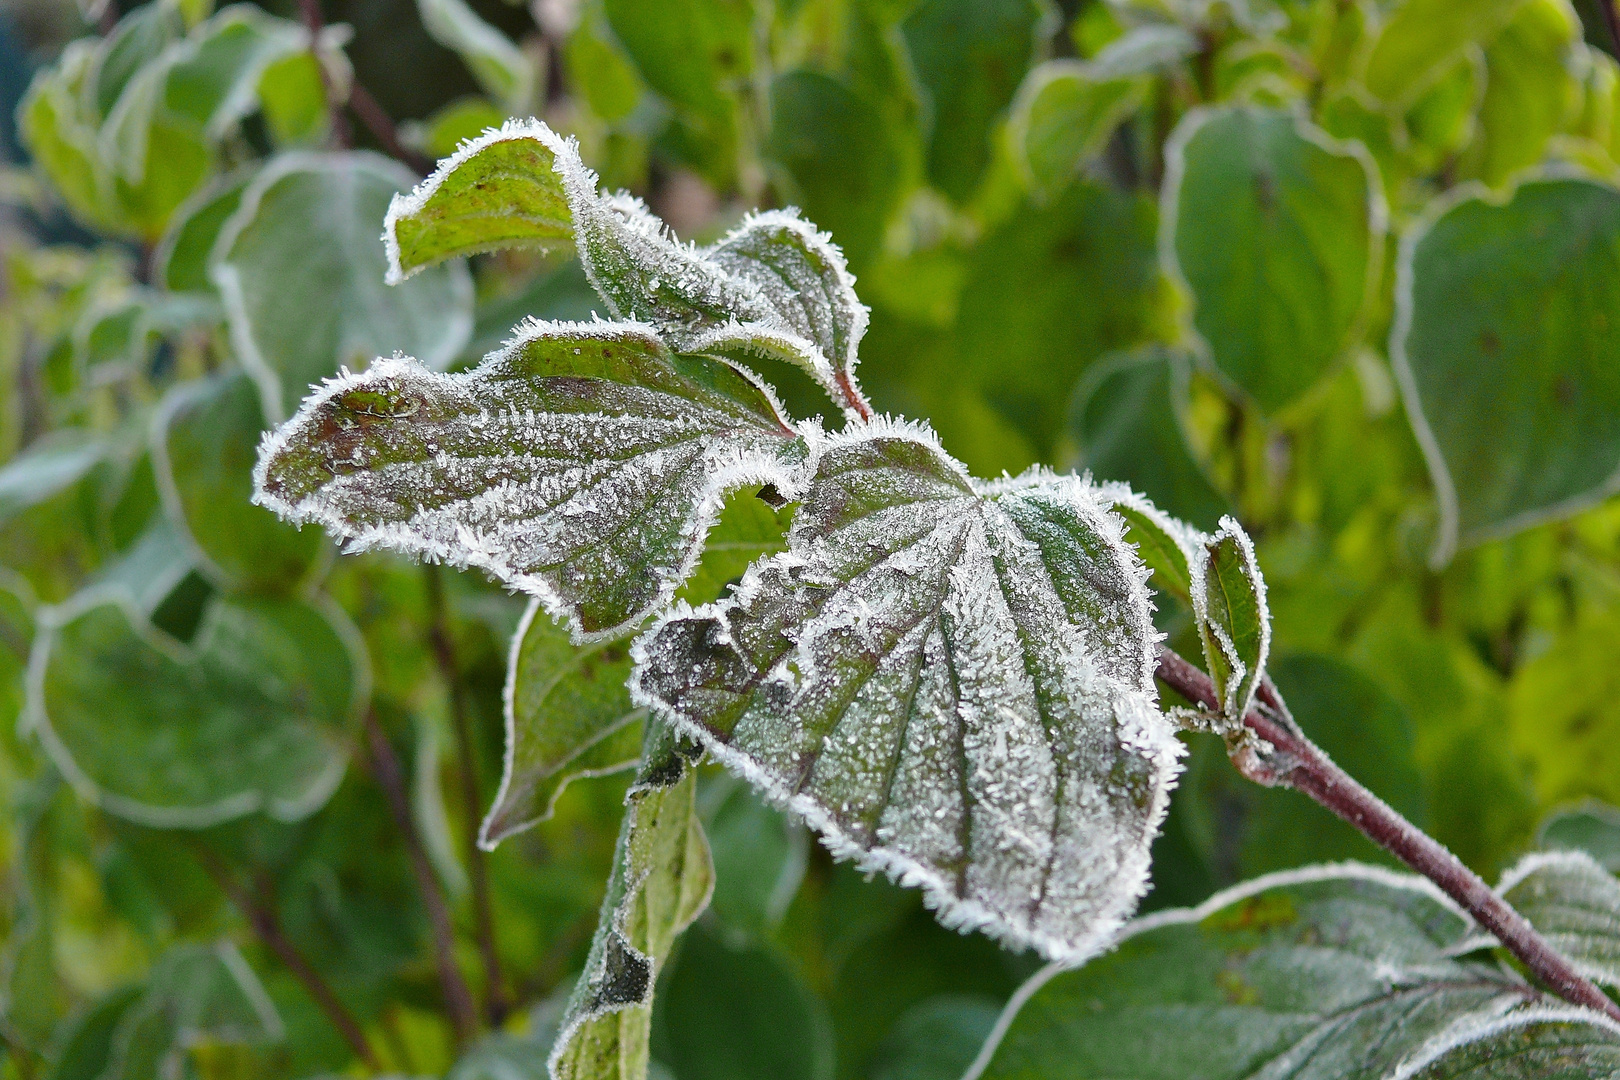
1489,343
1264,192
1564,391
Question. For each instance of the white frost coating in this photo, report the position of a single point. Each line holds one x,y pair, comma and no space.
1241,682
1305,875
1473,1029
593,493
774,285
951,682
1574,903
35,716
408,205
1188,539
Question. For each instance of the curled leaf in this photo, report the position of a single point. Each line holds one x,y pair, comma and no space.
1229,605
582,464
950,681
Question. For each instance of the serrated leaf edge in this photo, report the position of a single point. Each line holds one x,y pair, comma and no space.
1154,740
737,470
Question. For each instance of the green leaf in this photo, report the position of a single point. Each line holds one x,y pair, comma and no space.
568,716
936,1039
293,99
1530,92
760,856
583,464
204,442
1329,971
661,881
300,270
1048,292
1229,605
154,158
598,67
63,141
969,56
1277,231
463,120
845,162
950,681
180,260
747,529
735,1012
1065,114
1167,546
690,51
774,285
1125,423
1508,356
1575,904
1241,829
1421,39
252,714
1592,827
213,78
505,71
82,1049
137,40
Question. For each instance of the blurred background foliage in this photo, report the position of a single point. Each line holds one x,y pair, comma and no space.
1344,268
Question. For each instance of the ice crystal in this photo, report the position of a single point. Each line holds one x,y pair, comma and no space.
951,681
583,464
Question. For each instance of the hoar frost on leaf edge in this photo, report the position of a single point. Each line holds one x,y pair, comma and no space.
755,320
1153,738
1233,709
740,471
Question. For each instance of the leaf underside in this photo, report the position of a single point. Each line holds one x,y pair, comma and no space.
582,464
951,681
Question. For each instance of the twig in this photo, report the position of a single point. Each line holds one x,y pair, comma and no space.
1611,20
371,114
315,23
262,918
391,778
444,651
381,126
1300,764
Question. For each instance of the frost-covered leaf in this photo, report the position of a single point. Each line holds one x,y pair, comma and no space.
568,716
300,269
583,464
505,71
204,440
951,681
253,713
1168,547
1229,604
212,78
502,190
662,878
1125,425
1509,357
1325,973
1575,903
1278,233
774,285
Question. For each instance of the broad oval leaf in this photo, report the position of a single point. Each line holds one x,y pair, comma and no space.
568,716
582,464
300,270
950,681
1229,605
204,438
1277,231
1316,974
252,714
662,879
1508,355
180,260
1067,109
1592,827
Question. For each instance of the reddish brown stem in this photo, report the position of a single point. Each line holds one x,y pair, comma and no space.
1300,764
851,393
444,651
391,778
262,918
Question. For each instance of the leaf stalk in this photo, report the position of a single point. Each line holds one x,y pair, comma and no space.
1300,764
